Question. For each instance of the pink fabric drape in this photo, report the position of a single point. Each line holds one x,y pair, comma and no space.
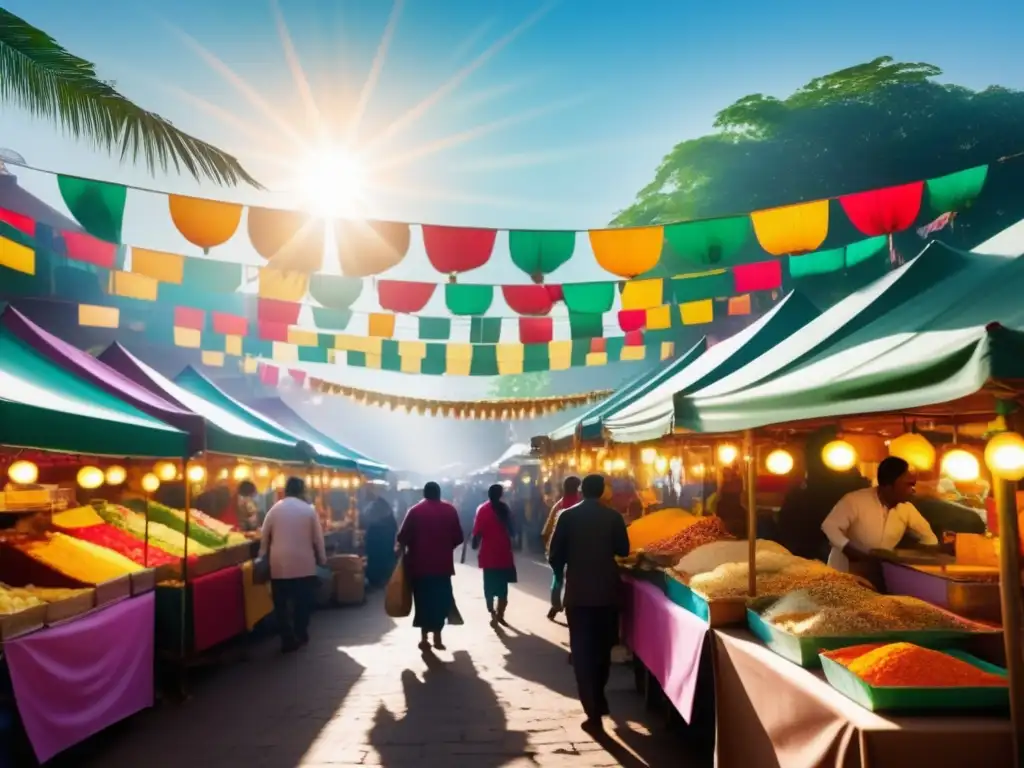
218,607
669,641
74,680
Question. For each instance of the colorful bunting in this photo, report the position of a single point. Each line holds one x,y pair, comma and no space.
528,299
696,244
404,297
956,191
627,252
289,240
17,257
452,250
539,253
97,205
791,229
884,211
366,248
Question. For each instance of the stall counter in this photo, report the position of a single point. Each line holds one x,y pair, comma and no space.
774,714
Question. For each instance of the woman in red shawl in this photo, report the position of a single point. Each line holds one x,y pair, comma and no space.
492,535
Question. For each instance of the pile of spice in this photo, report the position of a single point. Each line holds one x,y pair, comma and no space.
658,526
777,574
834,611
682,542
905,665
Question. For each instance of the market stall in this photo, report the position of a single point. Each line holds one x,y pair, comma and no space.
925,355
58,636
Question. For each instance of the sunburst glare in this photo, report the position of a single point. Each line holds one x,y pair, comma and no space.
331,181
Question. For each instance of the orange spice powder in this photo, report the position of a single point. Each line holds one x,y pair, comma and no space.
908,665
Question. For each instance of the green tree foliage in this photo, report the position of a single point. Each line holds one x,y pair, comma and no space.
40,76
521,386
872,125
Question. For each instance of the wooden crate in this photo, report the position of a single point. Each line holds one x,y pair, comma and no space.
206,564
113,590
23,622
62,610
168,572
143,581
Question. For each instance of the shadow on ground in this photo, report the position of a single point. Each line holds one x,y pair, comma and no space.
460,711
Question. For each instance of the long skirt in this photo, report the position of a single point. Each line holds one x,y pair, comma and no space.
432,599
496,581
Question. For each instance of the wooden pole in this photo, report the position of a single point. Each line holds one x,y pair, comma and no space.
751,459
1005,492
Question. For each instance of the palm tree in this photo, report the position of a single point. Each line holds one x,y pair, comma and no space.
41,76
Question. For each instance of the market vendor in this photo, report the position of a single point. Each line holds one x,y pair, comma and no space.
876,518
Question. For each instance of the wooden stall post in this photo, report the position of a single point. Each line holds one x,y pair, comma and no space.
1005,492
751,459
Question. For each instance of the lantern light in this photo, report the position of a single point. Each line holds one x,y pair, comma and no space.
356,482
222,475
607,466
619,465
279,481
150,483
727,453
241,472
1004,455
960,465
116,475
779,462
23,472
698,470
914,449
90,477
344,483
196,473
166,471
648,456
526,479
839,456
335,482
661,465
262,471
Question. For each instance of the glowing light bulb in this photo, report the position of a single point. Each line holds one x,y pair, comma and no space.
779,462
150,483
1004,455
727,453
90,477
23,473
116,475
839,456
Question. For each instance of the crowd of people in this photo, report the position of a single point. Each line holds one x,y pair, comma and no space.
582,534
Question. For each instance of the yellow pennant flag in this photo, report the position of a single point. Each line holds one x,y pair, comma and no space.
16,256
92,316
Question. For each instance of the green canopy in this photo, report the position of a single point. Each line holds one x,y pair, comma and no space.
937,345
590,424
650,415
226,433
46,407
193,381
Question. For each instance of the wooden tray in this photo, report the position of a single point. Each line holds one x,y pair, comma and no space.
143,581
23,622
236,554
206,564
113,590
62,610
168,572
717,613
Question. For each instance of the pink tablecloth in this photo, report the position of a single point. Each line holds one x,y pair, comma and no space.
669,641
218,608
76,679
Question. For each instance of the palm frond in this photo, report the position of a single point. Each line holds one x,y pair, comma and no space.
42,77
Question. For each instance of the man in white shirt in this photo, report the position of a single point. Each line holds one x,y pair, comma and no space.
876,518
295,541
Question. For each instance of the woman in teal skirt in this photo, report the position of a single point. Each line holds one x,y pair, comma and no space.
492,535
430,533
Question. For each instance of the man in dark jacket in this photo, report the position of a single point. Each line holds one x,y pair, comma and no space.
587,539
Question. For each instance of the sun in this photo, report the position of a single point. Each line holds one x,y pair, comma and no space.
332,182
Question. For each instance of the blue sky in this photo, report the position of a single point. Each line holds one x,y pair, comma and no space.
558,126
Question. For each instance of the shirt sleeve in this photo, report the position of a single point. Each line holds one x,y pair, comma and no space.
621,537
318,541
837,525
267,532
559,554
917,525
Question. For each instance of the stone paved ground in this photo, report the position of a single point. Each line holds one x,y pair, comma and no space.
362,694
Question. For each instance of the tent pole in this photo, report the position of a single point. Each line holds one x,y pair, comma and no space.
1010,602
751,459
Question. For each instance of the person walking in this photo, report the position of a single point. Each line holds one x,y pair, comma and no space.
429,535
380,529
570,498
587,539
492,536
294,541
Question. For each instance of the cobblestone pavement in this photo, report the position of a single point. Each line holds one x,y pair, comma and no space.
363,694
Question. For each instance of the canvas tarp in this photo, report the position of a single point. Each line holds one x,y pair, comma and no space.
47,407
651,416
225,433
591,423
88,368
939,343
275,408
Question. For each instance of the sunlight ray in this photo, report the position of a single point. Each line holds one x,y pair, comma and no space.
436,194
250,93
472,39
552,156
298,75
487,95
472,134
230,118
373,76
426,104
